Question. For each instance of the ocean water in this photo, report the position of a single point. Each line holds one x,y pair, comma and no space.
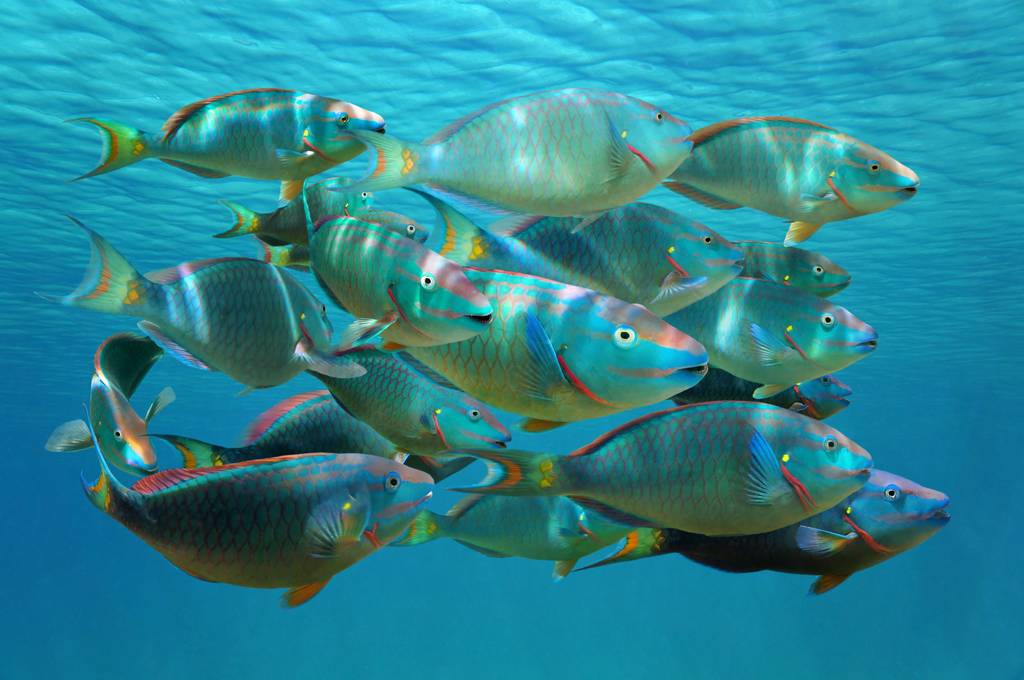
940,86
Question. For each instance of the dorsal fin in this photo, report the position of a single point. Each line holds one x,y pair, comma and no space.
426,371
264,422
167,479
174,274
706,133
181,116
447,131
124,359
464,504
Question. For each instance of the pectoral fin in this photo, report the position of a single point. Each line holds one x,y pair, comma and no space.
765,482
821,542
766,391
73,435
161,401
769,349
675,292
362,331
542,373
338,520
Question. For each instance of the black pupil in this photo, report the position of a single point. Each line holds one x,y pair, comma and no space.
624,335
392,482
707,239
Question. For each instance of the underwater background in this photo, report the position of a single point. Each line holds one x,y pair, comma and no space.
938,85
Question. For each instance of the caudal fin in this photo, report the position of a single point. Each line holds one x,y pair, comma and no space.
638,544
246,221
111,284
464,241
122,145
195,453
106,489
518,473
392,162
426,526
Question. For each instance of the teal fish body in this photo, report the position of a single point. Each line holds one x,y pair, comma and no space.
796,169
263,134
888,516
792,266
306,423
639,253
818,398
558,353
561,152
250,320
291,522
775,335
395,287
722,468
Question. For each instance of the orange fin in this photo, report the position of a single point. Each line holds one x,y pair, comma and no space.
290,188
800,231
702,197
302,594
181,116
538,425
827,582
392,347
706,133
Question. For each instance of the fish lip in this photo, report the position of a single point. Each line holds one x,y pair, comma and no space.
868,345
701,370
482,319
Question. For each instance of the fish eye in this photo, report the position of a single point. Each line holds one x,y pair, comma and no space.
428,282
892,492
830,444
474,414
392,481
827,320
365,194
873,166
819,270
323,308
118,435
343,120
625,337
825,380
659,116
708,240
410,229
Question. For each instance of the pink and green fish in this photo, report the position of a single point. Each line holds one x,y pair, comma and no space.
550,528
801,171
395,287
792,266
306,423
638,253
888,516
262,133
561,152
722,468
558,353
291,522
120,364
818,398
775,335
250,320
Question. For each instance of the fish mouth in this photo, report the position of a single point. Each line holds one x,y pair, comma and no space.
701,370
482,319
940,514
380,130
868,345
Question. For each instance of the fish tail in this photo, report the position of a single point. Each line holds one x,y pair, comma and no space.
518,473
122,145
195,453
246,221
426,526
276,255
636,545
111,284
106,490
463,241
392,162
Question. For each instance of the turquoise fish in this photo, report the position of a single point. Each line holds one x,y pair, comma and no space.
818,398
791,266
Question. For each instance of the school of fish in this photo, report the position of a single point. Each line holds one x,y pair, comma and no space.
579,302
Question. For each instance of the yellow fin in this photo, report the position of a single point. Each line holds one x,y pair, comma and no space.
302,594
538,425
290,189
825,583
800,231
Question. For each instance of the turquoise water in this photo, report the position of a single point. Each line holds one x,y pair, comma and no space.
941,88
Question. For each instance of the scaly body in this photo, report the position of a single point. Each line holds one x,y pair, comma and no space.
818,398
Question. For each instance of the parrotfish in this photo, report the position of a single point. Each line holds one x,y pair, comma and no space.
888,516
287,224
251,320
262,133
792,266
293,256
638,253
396,288
120,364
306,423
775,335
537,528
419,412
291,522
818,398
723,468
796,169
561,152
558,353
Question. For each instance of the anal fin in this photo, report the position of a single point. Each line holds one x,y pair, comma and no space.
300,595
800,232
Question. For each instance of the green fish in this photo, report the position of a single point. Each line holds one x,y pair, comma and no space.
120,364
792,266
261,133
292,256
818,398
796,169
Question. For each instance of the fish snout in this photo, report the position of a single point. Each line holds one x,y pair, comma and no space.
939,513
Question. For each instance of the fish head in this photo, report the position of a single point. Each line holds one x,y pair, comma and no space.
656,138
434,296
824,396
337,199
813,272
328,123
398,223
869,180
826,334
120,432
897,513
463,422
695,250
827,464
397,493
622,355
312,318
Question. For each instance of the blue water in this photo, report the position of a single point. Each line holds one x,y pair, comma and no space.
941,88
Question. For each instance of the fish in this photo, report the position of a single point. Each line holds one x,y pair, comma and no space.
639,252
818,398
888,516
252,321
290,522
287,224
792,266
804,172
775,335
304,423
292,256
418,411
558,353
398,290
720,469
550,528
120,364
263,133
560,153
